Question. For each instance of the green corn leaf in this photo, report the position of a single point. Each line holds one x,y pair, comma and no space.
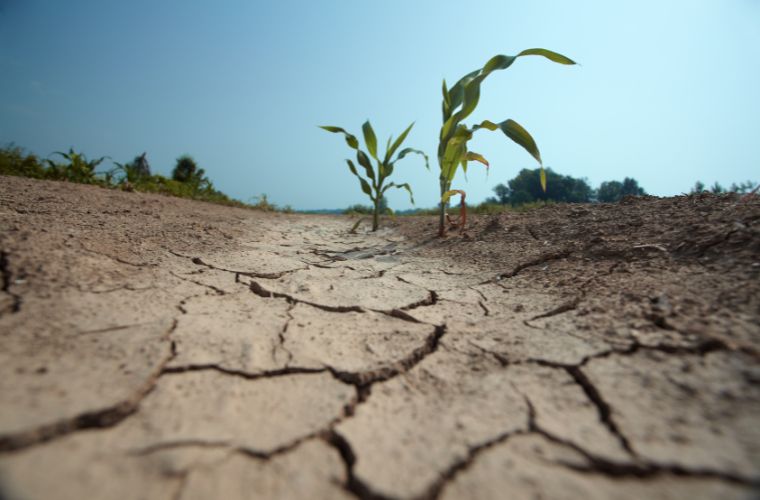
456,93
388,170
543,179
472,156
446,106
401,186
499,62
455,151
486,124
365,185
406,151
352,141
364,161
448,125
471,97
517,133
352,167
370,139
397,143
448,194
552,56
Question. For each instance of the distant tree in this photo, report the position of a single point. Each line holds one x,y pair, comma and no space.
613,191
526,188
502,194
609,191
717,188
631,188
186,170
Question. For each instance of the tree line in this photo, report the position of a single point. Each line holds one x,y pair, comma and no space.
525,188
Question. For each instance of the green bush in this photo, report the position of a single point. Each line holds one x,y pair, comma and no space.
15,161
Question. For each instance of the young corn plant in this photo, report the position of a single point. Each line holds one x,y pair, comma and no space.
459,102
79,168
374,185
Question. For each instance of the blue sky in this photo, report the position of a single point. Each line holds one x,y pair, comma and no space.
667,91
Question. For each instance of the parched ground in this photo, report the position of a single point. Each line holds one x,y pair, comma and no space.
158,348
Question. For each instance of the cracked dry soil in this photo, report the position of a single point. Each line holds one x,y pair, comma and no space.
158,348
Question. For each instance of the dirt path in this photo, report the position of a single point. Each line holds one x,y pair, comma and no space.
153,347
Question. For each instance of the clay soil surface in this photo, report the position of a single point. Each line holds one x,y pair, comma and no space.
159,348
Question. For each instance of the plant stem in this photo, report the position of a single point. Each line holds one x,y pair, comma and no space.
376,215
442,213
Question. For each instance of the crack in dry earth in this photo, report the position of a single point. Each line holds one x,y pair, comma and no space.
329,372
96,419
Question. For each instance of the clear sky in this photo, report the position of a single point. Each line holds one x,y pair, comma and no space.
668,91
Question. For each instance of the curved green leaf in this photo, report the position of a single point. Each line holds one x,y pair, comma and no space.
456,93
365,185
551,55
471,97
517,133
472,156
446,106
406,151
499,62
352,141
364,161
447,127
387,170
397,143
486,124
448,194
370,139
543,179
401,186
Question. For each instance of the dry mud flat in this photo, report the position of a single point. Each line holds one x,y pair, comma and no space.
156,348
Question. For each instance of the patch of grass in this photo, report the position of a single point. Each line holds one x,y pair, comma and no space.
75,167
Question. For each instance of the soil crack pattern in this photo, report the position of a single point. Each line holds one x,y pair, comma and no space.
101,418
173,349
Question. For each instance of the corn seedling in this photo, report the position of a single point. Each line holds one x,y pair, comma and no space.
374,186
459,102
78,169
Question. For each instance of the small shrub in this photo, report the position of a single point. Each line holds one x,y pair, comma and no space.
15,161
